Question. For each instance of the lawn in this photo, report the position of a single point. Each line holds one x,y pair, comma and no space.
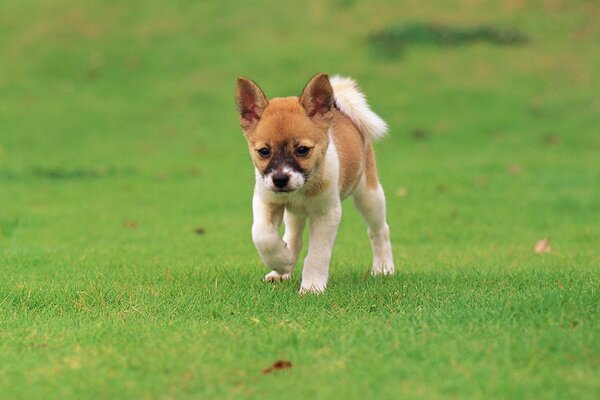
126,264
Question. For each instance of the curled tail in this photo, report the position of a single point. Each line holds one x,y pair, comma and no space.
352,102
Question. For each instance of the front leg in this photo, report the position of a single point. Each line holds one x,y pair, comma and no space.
272,249
294,226
323,230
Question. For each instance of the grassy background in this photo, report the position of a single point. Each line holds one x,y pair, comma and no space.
126,265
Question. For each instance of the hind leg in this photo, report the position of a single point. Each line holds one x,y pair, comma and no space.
294,226
370,201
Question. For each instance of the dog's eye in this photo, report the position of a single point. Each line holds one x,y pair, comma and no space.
302,150
264,152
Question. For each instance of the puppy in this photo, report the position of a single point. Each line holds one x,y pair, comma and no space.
310,153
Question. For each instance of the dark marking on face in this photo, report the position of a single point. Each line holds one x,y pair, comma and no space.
283,158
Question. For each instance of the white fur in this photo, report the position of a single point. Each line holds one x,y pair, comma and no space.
371,204
352,102
323,210
296,178
295,183
275,276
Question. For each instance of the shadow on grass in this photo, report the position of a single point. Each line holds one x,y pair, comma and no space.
391,41
8,226
66,173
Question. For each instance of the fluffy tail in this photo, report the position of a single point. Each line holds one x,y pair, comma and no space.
352,102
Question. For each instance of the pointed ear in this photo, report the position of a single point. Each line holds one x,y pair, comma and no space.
317,97
250,101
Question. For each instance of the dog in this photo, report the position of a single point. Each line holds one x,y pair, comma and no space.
310,153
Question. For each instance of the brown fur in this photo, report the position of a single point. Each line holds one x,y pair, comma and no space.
351,146
371,169
284,123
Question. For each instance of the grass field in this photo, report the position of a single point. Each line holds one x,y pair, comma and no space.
126,264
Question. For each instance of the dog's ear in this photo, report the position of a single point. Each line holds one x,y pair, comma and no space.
250,101
317,97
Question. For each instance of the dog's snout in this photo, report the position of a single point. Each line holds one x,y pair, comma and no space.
281,180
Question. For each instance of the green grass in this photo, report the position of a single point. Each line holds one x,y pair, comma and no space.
119,140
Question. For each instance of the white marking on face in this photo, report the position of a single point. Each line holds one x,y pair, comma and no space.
296,180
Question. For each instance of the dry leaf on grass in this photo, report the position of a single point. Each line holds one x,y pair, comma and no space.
277,366
543,246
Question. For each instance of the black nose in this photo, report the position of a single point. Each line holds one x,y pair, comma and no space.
280,180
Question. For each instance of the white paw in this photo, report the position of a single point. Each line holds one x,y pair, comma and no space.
382,269
313,288
275,276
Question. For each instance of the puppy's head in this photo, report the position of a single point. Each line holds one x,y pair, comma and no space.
287,137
